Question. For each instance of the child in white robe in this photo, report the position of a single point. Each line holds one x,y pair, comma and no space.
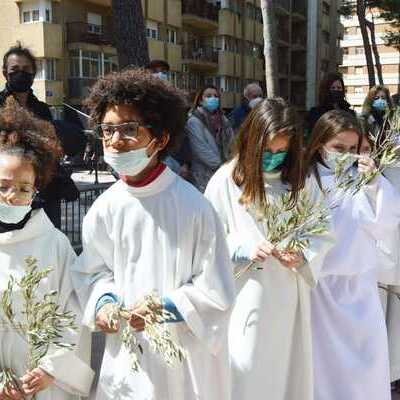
153,232
349,334
269,332
28,154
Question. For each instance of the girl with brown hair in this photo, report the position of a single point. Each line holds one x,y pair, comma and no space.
270,320
377,103
348,329
210,136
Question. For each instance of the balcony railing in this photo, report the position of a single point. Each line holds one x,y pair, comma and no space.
89,33
200,8
200,53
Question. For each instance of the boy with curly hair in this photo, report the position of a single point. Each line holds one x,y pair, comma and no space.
153,232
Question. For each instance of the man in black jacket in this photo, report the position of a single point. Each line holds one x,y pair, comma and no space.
19,69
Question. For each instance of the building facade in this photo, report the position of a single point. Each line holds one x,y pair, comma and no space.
325,31
204,41
354,67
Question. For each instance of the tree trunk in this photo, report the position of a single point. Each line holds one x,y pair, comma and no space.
130,33
367,47
270,48
378,65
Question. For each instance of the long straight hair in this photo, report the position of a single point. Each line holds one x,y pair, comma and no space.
331,124
269,119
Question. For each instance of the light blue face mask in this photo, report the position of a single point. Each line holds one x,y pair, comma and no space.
273,160
211,104
10,214
130,163
379,104
162,75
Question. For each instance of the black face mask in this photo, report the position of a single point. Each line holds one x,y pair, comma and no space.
336,96
20,81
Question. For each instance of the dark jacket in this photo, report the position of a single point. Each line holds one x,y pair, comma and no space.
317,112
238,115
62,186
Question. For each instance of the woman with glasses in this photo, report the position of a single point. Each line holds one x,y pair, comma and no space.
29,152
152,232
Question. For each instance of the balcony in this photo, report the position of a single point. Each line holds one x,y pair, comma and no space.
200,14
43,38
79,87
200,57
82,32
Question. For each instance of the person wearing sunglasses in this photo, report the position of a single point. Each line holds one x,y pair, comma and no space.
29,152
153,232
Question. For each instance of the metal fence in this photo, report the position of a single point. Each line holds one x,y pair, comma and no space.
72,213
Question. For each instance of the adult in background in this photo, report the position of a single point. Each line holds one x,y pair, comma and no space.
19,69
332,96
252,95
377,103
210,136
159,68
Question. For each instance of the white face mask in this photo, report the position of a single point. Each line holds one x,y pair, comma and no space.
13,214
254,102
333,158
130,163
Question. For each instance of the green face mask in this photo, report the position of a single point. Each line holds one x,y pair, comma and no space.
273,160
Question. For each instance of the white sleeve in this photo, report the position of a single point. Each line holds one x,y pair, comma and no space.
93,275
205,302
70,368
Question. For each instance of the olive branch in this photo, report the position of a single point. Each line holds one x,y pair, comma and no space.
155,332
41,322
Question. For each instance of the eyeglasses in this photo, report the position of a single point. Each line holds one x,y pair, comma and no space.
23,193
127,130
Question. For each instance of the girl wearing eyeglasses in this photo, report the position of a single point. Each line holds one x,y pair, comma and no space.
29,152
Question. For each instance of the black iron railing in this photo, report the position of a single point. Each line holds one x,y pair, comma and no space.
72,213
89,33
200,53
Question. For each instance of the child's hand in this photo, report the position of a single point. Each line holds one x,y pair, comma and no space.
290,259
11,393
36,381
139,312
103,319
262,251
366,165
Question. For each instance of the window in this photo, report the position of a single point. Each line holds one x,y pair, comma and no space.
46,69
359,70
95,23
36,11
172,36
345,50
152,30
360,50
359,90
90,64
326,8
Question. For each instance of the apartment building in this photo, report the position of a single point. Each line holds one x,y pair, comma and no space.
204,41
325,31
354,66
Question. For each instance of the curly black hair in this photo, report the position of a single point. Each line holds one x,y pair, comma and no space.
22,134
19,50
157,102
